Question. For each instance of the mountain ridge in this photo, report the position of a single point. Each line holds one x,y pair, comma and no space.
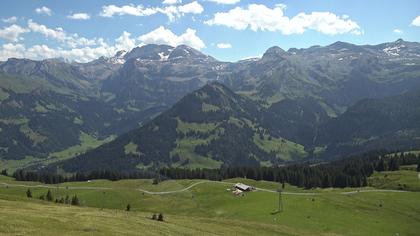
124,94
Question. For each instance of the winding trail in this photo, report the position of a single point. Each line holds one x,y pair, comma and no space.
199,183
54,187
375,190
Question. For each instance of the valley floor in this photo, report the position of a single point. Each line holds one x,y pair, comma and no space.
199,207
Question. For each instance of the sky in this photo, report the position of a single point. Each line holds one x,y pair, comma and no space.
229,30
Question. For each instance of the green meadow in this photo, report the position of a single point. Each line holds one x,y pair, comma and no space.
209,208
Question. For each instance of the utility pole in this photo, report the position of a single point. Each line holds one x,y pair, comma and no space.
57,179
280,207
280,202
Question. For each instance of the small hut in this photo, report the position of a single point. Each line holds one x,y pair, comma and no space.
243,187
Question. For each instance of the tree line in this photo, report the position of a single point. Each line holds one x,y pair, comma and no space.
349,172
49,197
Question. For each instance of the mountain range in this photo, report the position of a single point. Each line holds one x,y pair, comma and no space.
319,102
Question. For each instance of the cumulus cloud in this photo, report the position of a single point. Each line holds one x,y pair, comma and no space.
398,31
224,45
39,52
171,2
111,10
10,20
172,11
79,16
58,34
80,54
43,11
76,48
12,33
258,17
124,42
162,35
225,1
416,21
90,49
193,8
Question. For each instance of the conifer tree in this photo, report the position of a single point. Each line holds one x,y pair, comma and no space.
160,217
29,193
49,196
75,201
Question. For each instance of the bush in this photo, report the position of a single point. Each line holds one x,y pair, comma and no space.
29,193
75,201
49,196
67,200
128,207
160,217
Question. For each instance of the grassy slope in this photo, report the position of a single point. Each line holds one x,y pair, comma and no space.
403,179
50,219
284,149
327,213
87,142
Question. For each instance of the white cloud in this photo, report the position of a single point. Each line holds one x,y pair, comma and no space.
224,45
40,52
225,1
124,42
43,10
282,6
193,8
398,31
172,11
57,33
162,35
70,40
12,33
79,16
10,20
258,17
111,10
171,2
416,21
82,54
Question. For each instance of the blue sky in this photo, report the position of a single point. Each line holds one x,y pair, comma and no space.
229,30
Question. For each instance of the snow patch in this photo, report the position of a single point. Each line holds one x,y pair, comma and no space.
163,56
393,51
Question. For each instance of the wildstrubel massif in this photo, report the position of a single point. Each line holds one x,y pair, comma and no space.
287,105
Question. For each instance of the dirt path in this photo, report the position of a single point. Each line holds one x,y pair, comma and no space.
198,183
54,187
374,190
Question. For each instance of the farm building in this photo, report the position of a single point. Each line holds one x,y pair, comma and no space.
243,187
